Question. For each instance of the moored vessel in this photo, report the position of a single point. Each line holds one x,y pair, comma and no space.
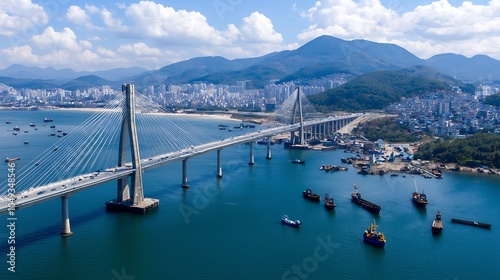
329,202
471,223
372,236
419,199
291,223
370,206
310,195
298,161
12,159
437,224
47,119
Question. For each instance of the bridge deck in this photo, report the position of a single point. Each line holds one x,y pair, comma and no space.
71,185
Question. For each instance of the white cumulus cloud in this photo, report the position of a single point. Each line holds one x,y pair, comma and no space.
18,16
53,40
429,29
259,28
155,20
78,16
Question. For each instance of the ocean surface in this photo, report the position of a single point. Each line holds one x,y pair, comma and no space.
230,228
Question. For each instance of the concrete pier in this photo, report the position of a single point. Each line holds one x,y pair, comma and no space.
66,229
268,155
252,159
125,206
219,167
184,174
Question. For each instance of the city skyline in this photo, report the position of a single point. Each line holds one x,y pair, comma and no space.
99,36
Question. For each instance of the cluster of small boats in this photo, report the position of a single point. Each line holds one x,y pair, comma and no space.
326,167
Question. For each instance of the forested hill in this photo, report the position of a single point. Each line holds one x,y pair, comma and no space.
479,149
377,90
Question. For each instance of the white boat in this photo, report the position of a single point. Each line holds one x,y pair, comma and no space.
288,222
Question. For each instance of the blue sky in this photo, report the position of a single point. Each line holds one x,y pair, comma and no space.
99,35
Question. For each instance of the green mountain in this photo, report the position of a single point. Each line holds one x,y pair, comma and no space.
378,89
28,83
324,54
476,68
86,82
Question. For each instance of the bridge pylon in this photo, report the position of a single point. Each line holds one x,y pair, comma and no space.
130,198
297,108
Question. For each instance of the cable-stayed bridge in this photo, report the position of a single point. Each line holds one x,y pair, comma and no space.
132,135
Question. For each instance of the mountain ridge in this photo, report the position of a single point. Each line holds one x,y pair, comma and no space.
322,55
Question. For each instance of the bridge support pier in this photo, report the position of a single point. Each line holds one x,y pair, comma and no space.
252,159
219,167
66,229
184,174
268,155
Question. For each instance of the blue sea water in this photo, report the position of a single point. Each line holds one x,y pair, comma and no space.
230,228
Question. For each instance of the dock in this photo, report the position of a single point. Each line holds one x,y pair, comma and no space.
471,223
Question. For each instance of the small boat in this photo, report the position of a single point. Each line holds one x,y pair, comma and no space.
419,199
370,206
373,237
329,202
222,128
17,128
32,124
25,131
65,133
298,161
8,122
47,119
26,142
471,223
52,126
13,133
394,174
222,125
291,223
59,130
12,159
311,196
437,224
55,149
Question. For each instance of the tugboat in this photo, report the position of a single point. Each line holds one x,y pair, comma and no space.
356,197
329,203
419,199
373,237
291,223
437,224
311,196
298,161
